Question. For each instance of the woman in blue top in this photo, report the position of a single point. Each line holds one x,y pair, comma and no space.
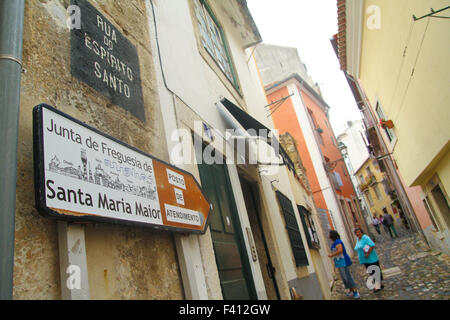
367,255
343,262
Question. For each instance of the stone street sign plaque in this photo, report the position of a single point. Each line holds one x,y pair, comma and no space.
105,60
82,174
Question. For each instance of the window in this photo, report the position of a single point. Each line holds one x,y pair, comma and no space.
441,203
336,179
317,130
387,186
344,170
438,202
376,165
369,198
295,237
309,227
389,132
213,39
361,179
377,192
431,212
313,118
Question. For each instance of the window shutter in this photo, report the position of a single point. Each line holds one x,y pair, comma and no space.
293,231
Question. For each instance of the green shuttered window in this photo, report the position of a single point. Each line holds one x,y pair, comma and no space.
293,231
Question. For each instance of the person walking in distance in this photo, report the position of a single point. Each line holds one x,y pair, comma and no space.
367,255
376,224
388,222
343,262
380,218
386,227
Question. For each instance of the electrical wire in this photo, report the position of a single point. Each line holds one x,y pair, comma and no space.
413,70
411,27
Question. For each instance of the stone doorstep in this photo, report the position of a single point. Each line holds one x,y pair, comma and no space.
417,256
391,272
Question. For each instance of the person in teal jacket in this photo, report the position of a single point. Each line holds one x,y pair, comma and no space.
367,255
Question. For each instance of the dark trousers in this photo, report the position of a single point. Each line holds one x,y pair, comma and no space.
388,230
377,227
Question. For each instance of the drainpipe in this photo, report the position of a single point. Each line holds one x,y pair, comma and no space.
11,36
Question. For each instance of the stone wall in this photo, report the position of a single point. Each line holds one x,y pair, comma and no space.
123,262
288,143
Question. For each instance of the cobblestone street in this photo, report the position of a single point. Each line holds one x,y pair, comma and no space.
411,271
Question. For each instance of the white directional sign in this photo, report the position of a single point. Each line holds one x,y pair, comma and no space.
83,174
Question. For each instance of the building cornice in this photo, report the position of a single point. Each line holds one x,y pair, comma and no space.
349,37
303,85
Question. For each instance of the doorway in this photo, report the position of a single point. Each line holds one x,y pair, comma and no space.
442,204
229,248
251,197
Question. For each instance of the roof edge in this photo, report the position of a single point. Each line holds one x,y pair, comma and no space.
304,83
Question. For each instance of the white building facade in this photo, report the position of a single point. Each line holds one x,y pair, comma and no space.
205,72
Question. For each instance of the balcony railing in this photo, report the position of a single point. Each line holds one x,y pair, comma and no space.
370,181
374,141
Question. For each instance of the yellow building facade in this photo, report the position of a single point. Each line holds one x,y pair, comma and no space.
398,51
376,188
405,72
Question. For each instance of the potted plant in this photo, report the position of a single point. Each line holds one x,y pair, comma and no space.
386,124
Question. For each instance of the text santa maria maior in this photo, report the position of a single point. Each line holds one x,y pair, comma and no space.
105,60
82,174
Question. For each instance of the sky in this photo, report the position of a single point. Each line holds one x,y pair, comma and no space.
308,25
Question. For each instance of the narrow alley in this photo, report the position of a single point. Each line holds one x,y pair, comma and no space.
411,271
205,152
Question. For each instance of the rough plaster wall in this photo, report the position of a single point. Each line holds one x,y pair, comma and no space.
131,263
277,63
139,263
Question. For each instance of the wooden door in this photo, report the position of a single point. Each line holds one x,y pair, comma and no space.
229,248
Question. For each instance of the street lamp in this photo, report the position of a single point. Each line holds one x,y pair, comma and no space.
343,149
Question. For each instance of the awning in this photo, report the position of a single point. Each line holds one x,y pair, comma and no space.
239,119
